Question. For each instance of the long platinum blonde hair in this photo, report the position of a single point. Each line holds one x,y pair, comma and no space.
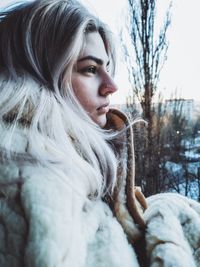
40,42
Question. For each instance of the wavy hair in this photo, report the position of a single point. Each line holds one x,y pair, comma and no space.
40,41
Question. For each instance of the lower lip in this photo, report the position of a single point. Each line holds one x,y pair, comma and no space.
103,110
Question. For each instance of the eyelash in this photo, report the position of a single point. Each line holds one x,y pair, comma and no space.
93,69
108,68
89,69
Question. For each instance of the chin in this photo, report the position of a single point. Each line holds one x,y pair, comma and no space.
101,120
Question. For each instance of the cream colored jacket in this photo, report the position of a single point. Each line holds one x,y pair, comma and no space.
45,222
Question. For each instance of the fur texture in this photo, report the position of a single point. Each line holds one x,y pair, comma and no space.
173,231
49,221
46,220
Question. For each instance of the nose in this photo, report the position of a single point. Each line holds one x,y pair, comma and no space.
107,86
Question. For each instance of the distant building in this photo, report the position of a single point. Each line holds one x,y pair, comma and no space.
186,106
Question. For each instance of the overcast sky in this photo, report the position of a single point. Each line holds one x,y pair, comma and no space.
182,68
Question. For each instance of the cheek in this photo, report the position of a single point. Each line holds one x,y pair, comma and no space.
83,91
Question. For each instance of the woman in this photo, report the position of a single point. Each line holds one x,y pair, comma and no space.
67,195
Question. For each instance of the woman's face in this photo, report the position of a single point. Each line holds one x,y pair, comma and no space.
91,80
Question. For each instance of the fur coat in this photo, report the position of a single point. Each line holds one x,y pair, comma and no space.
46,223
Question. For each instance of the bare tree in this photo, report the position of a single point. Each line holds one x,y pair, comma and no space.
149,50
145,60
181,176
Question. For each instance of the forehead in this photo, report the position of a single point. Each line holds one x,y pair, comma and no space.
94,46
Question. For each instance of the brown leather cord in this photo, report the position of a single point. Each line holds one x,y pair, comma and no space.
126,198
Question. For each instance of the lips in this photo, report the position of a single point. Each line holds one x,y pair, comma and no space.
103,108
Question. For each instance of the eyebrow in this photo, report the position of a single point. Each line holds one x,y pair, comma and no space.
95,59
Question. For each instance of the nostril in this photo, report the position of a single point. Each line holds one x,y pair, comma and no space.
107,89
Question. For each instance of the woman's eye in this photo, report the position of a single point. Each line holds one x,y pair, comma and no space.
89,69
